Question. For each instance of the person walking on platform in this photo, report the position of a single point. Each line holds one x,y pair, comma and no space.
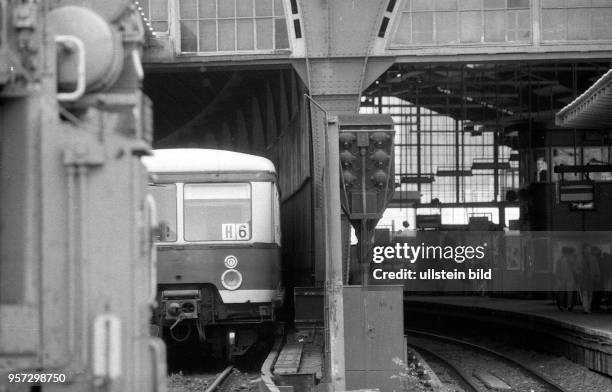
566,281
597,278
590,276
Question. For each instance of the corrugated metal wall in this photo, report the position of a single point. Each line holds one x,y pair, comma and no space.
292,157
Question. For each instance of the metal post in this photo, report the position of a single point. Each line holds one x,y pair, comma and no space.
364,249
418,130
496,166
457,168
333,284
364,239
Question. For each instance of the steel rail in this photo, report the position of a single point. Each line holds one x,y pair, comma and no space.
532,372
464,379
219,379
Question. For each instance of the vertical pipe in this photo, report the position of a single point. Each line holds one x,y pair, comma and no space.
71,278
334,259
530,176
575,94
431,152
83,262
364,239
495,166
462,163
364,245
364,206
463,120
418,149
457,161
500,198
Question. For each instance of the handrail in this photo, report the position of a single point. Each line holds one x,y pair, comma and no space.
79,90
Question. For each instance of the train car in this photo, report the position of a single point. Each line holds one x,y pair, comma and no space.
219,260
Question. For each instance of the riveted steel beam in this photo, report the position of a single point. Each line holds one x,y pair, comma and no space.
340,27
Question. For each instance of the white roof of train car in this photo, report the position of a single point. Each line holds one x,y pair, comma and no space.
181,160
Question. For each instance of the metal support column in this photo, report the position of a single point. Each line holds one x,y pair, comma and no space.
333,284
327,210
320,108
336,70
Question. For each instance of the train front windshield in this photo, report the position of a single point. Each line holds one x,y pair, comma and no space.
217,212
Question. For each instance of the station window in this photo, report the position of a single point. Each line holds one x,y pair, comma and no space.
444,22
156,12
576,20
232,25
427,143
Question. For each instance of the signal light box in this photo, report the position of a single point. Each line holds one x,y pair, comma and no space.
367,177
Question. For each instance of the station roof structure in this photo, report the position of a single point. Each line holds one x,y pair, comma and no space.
259,33
592,109
468,83
498,63
492,94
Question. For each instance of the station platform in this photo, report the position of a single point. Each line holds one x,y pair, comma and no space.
583,338
302,354
296,365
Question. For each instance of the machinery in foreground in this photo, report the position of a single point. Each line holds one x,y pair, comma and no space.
219,266
77,261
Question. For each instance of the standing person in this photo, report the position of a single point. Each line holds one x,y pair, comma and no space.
589,277
596,277
606,277
542,168
566,281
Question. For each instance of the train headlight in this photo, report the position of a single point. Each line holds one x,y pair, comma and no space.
174,309
231,279
230,262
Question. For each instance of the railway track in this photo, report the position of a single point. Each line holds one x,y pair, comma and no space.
452,377
476,368
230,379
221,377
198,373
